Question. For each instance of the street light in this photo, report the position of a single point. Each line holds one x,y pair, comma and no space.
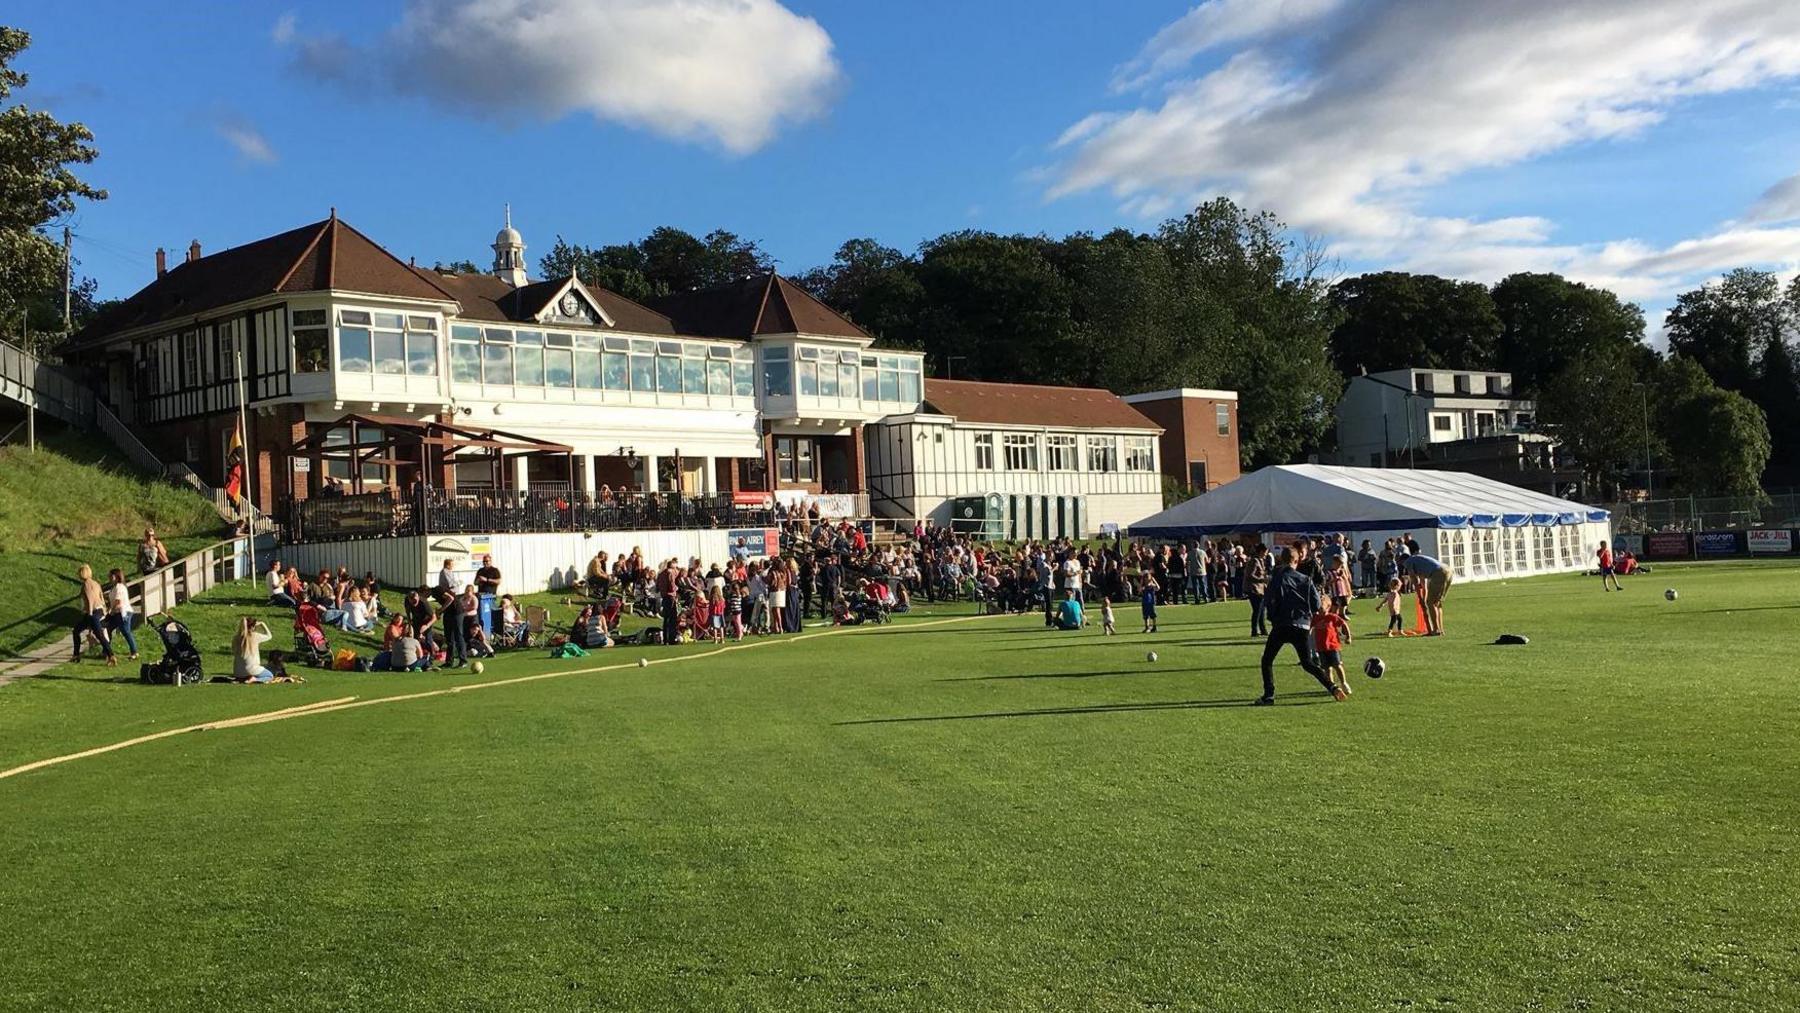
1649,479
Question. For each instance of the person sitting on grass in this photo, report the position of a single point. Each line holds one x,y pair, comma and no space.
246,652
1068,612
152,553
276,581
408,654
354,617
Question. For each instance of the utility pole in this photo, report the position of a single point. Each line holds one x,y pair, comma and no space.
68,282
30,384
237,354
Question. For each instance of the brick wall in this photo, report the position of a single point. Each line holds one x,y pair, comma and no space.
1191,434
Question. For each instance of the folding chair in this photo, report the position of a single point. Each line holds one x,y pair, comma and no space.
536,618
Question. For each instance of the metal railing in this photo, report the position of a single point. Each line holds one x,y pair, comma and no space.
163,589
1706,513
30,381
127,441
428,510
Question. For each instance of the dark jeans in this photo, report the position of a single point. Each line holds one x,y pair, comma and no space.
1302,642
1178,586
1259,623
671,622
91,623
457,636
122,624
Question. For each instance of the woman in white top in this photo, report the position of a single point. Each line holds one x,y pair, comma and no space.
356,612
246,649
118,611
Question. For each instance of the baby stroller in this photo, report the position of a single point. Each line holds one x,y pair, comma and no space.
858,609
180,663
310,646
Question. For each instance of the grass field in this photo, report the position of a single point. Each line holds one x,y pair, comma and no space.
73,502
946,814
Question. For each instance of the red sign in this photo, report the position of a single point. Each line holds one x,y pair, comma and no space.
751,499
1667,545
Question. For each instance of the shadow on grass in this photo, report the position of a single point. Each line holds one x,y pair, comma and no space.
1127,639
1752,608
1105,708
1145,670
123,679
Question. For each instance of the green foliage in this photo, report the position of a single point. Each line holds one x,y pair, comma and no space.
457,267
1598,412
1394,320
37,187
1720,443
1548,322
69,504
667,260
974,816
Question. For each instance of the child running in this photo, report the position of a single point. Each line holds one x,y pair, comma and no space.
1106,617
1147,596
1330,633
1390,603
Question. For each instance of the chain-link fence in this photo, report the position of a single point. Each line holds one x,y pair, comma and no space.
1707,513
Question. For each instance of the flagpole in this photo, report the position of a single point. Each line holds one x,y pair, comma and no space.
237,351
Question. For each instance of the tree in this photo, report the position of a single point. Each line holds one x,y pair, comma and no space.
1596,412
1719,441
996,308
1394,320
37,188
667,260
1548,322
1729,325
457,267
874,285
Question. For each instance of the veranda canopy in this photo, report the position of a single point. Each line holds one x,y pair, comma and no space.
1319,498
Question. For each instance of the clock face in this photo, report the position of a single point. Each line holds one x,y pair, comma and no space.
571,305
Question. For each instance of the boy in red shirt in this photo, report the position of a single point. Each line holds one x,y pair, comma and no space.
1609,581
1330,633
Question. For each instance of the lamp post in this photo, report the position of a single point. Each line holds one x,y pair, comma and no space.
1649,479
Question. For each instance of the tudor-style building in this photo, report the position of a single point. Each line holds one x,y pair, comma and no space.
756,387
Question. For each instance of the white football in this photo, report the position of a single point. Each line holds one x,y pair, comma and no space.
477,667
643,662
1670,594
1151,657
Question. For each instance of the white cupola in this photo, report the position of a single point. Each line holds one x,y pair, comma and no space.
509,254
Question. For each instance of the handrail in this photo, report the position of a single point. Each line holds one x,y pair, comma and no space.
121,435
168,586
31,381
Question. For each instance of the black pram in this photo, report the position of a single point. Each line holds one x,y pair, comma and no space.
180,663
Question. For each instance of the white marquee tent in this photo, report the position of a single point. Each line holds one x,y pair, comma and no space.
1479,527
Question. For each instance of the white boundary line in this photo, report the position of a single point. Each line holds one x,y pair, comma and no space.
351,702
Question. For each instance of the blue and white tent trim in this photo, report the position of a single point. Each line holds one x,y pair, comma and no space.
1480,527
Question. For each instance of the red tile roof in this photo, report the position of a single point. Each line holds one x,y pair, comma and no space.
326,254
1020,404
485,297
763,304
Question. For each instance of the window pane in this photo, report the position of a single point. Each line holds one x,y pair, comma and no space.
777,380
846,380
463,332
909,387
743,379
390,352
354,317
421,323
668,374
309,318
421,354
528,366
529,337
587,370
827,378
809,376
718,377
803,453
592,342
496,363
353,349
465,362
497,335
643,373
558,340
559,367
890,385
312,352
388,321
615,371
693,376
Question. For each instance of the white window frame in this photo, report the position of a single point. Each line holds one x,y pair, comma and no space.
984,451
1021,451
1140,453
1061,452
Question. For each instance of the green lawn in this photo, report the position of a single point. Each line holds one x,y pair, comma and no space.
976,815
74,502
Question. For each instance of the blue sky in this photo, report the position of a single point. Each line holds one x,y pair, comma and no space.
1641,144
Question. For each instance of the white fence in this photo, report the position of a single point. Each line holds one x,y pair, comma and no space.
186,577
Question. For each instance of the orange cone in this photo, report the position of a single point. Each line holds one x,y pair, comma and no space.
1419,629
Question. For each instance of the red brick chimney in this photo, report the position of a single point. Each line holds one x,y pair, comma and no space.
193,251
162,262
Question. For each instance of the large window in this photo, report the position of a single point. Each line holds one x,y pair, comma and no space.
496,356
984,451
892,378
355,342
421,346
794,459
743,372
778,373
1222,415
643,365
312,341
465,354
559,360
1021,452
668,367
808,368
1140,453
1103,453
1061,453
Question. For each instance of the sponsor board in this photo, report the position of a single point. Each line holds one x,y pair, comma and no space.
831,504
1667,545
1770,540
752,499
758,542
1716,543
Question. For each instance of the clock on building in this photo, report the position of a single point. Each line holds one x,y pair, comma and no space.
571,305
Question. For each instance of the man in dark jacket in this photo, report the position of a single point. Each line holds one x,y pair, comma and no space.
1292,602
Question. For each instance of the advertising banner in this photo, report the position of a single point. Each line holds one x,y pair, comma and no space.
1666,545
752,499
1633,544
1717,543
757,542
1770,540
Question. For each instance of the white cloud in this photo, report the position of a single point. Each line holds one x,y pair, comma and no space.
730,72
245,139
287,27
1344,124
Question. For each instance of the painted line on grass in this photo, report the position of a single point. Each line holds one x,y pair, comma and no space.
352,703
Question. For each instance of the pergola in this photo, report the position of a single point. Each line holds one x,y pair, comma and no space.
420,436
